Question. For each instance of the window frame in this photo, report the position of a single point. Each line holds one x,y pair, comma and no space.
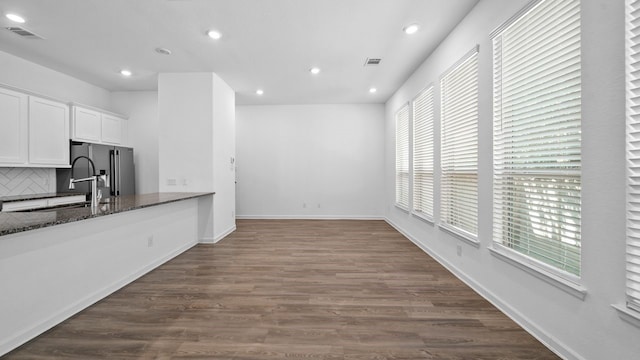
632,158
565,280
430,127
445,173
402,144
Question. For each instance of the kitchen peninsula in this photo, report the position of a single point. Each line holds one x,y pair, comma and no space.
56,262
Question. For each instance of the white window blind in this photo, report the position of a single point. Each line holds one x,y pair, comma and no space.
423,153
402,157
633,153
459,147
537,151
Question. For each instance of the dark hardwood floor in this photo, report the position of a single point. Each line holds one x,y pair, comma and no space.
293,289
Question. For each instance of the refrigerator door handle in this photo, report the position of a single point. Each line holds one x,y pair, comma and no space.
112,168
118,172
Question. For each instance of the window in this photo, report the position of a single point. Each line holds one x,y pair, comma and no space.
459,148
536,137
402,157
423,153
633,154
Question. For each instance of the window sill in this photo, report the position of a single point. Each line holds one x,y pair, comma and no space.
422,217
628,315
566,285
462,235
401,208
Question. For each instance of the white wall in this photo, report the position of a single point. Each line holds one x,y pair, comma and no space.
224,154
143,130
577,329
329,157
26,75
185,135
196,142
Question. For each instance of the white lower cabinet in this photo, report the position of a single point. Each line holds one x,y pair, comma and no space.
42,203
24,205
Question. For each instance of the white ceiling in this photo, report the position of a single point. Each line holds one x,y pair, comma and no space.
267,44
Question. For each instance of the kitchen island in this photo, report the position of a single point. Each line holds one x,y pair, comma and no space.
56,262
14,222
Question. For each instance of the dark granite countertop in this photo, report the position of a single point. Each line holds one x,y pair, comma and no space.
14,222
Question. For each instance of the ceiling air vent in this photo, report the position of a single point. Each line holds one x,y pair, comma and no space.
24,32
372,62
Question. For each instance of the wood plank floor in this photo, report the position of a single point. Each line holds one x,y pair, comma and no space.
293,289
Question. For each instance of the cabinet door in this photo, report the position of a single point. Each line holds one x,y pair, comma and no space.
13,122
87,125
48,132
111,129
125,133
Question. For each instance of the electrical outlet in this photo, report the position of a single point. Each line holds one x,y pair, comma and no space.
150,241
318,206
171,182
459,250
304,205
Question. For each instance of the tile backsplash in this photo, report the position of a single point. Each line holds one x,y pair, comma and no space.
26,181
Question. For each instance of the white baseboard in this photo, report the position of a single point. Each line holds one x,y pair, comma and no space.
74,308
529,326
224,234
309,217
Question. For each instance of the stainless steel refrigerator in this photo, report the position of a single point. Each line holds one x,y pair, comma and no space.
115,161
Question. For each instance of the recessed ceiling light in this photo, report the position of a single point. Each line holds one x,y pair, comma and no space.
259,92
125,72
15,18
163,51
411,29
314,70
214,34
372,90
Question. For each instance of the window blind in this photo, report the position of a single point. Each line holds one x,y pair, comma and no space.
423,153
459,147
537,141
402,157
633,153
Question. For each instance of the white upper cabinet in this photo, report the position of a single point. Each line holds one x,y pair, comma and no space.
34,131
111,129
48,132
13,122
87,125
97,127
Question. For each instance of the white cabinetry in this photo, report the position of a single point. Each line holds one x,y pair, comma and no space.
97,127
34,131
42,203
111,129
24,205
48,132
13,122
86,124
